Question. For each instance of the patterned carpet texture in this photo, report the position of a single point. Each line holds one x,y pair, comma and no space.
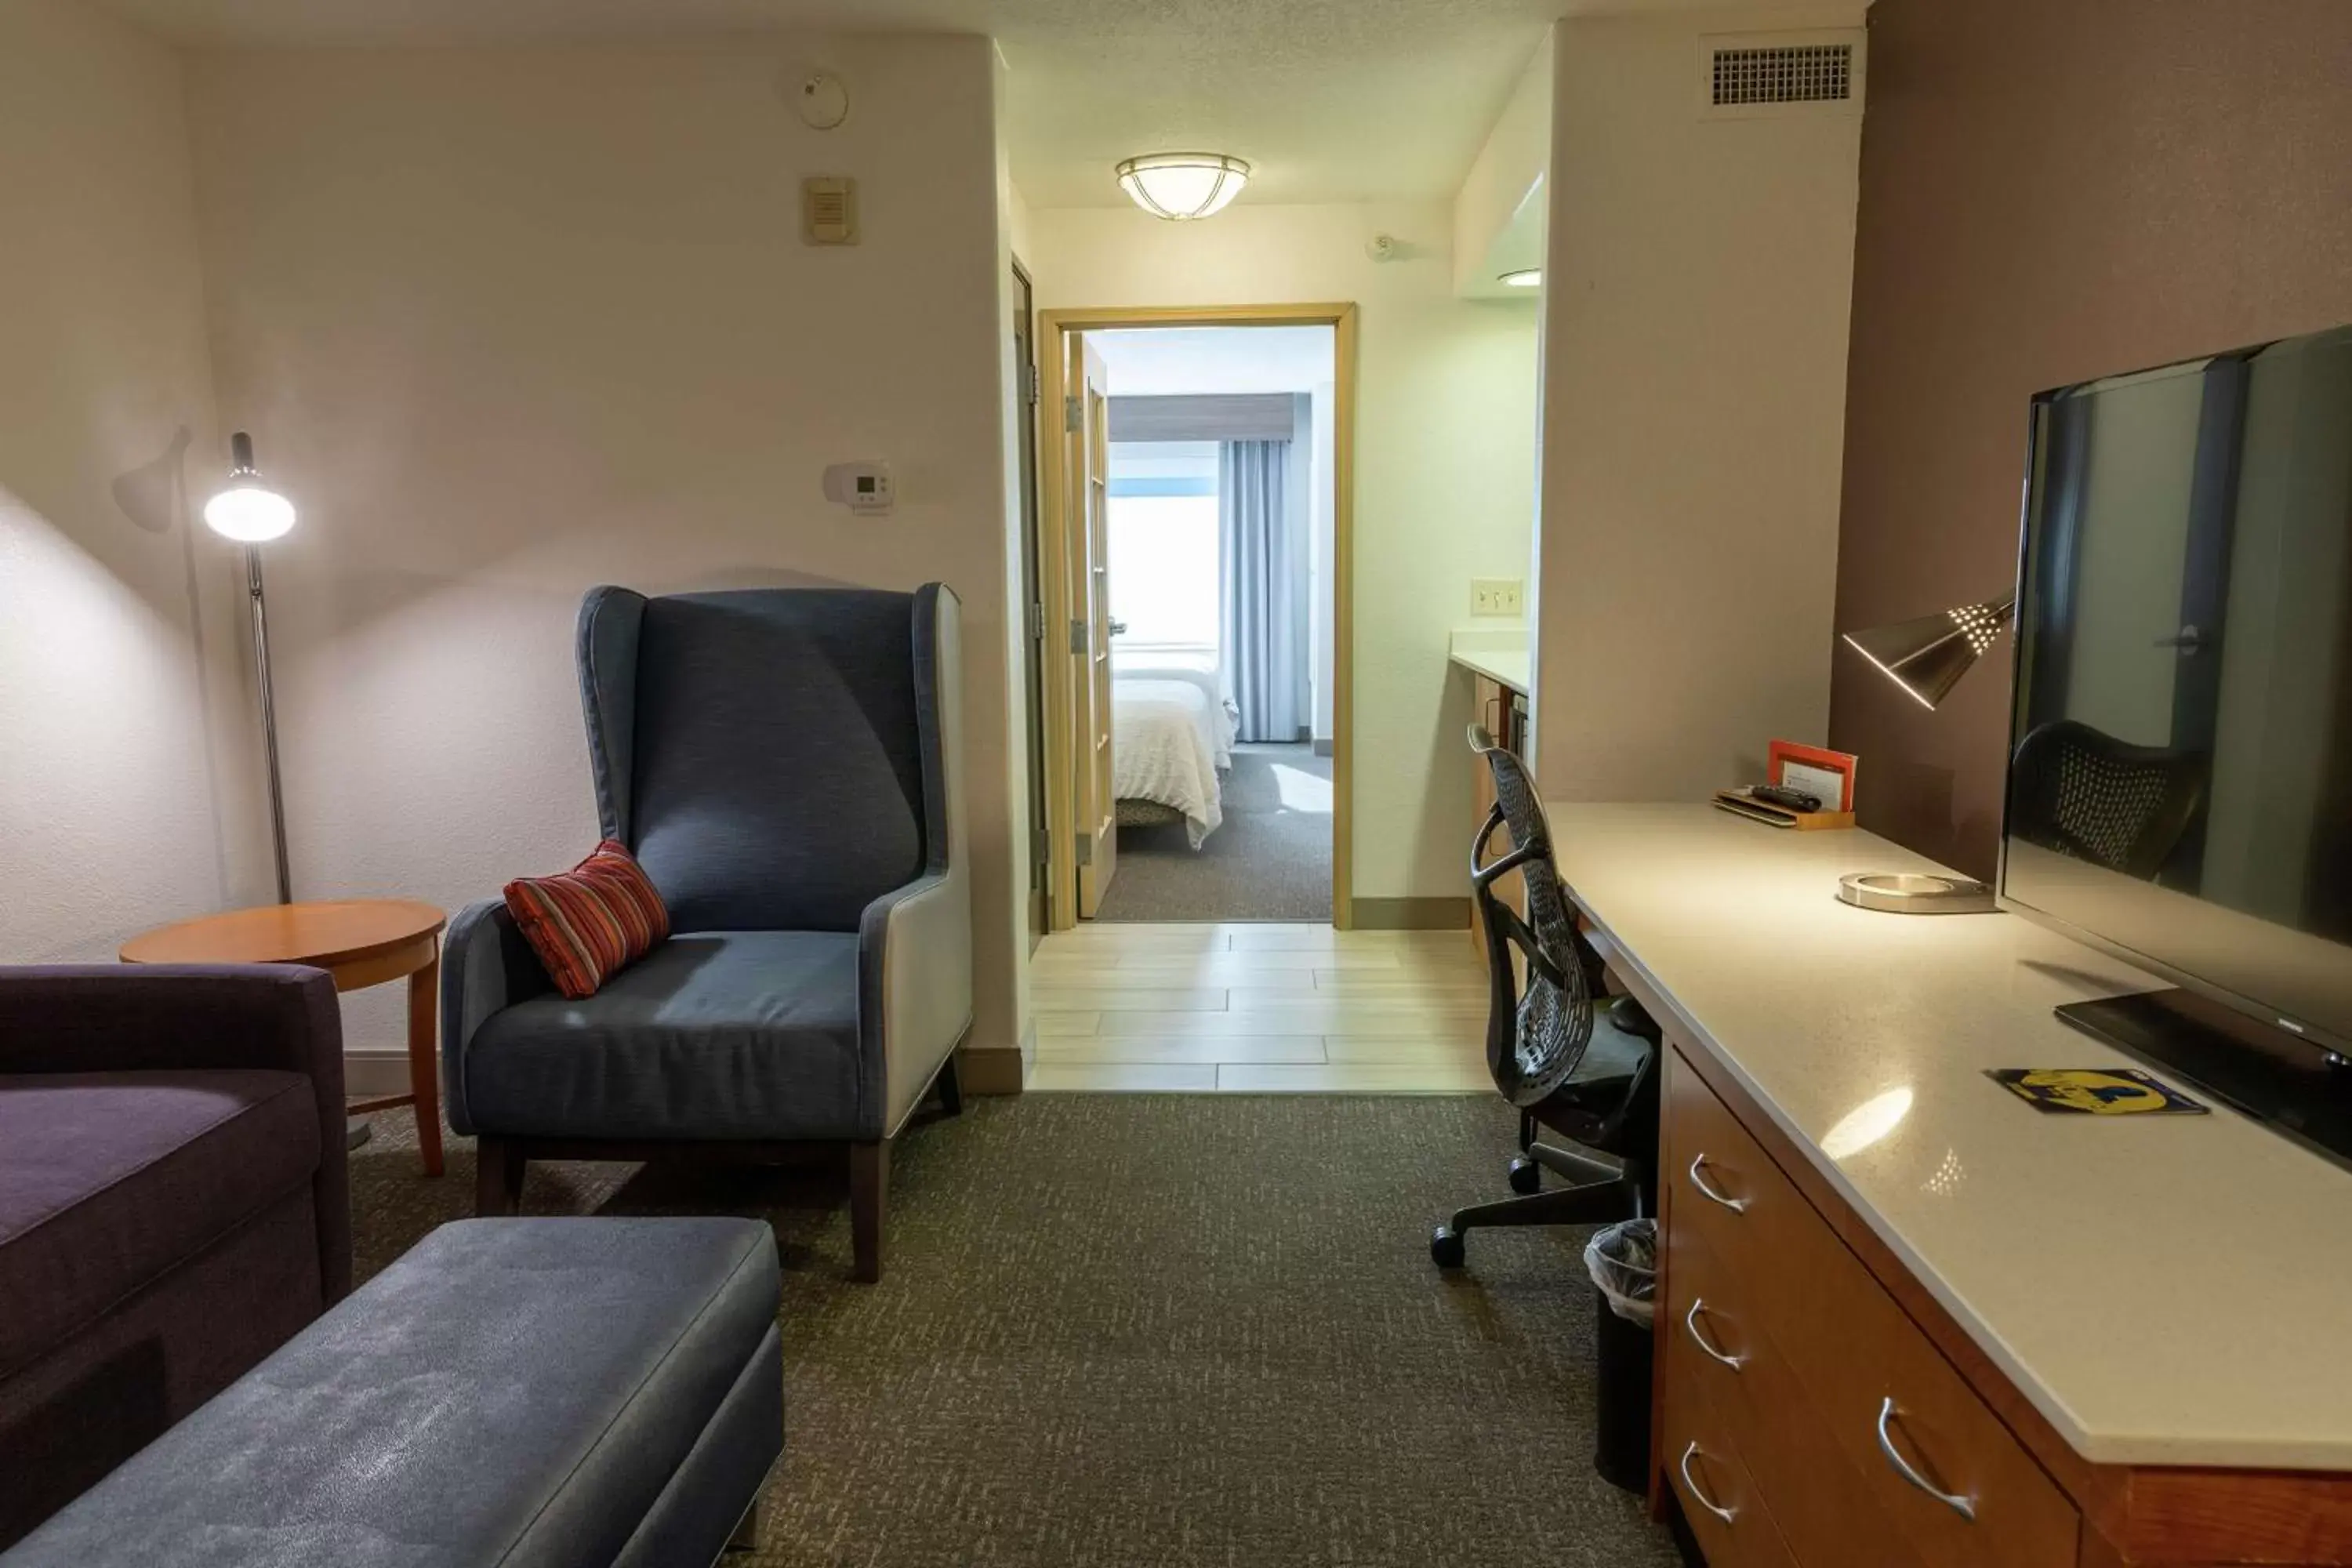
1137,1330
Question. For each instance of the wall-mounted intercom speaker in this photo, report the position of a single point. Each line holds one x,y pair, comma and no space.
829,211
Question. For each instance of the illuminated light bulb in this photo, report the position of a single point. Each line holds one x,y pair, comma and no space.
248,510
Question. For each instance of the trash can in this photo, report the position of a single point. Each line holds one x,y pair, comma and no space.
1623,1262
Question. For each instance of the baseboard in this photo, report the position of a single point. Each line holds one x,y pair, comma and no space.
1412,914
1325,746
368,1075
990,1069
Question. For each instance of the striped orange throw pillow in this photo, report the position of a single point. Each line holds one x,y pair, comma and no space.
592,922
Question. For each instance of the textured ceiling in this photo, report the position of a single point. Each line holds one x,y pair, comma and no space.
1332,99
1329,99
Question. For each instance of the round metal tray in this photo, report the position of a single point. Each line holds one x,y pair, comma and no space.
1911,893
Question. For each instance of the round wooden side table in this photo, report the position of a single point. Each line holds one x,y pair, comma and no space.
359,941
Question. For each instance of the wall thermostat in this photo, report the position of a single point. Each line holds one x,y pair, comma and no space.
863,488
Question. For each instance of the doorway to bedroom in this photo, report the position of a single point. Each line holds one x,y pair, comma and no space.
1203,541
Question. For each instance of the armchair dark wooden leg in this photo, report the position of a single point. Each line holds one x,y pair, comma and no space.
869,1184
950,1085
498,1178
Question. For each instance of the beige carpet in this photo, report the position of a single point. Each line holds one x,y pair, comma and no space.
1140,1330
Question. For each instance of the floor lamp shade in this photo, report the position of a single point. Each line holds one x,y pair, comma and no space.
1927,657
247,509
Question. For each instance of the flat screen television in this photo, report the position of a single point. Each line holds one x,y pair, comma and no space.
2181,755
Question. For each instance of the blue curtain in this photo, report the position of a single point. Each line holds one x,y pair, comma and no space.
1263,607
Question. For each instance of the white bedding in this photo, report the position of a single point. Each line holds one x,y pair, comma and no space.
1169,736
1194,668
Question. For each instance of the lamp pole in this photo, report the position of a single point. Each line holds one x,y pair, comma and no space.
259,604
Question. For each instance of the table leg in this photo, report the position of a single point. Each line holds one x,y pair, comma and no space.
424,1060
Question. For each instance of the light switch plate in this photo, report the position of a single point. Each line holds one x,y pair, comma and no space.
1498,596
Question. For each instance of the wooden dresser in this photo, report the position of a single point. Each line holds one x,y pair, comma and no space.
1906,1323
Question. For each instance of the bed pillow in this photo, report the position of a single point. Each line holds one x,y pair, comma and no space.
592,922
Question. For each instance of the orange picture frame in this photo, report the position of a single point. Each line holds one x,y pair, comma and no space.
1843,763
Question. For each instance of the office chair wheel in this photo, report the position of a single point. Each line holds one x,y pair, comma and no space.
1445,1247
1525,1176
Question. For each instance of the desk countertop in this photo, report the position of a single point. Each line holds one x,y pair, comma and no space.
1508,666
2166,1291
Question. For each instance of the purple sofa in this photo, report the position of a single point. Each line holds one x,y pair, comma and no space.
172,1202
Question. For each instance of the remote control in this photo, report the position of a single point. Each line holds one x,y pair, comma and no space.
1786,798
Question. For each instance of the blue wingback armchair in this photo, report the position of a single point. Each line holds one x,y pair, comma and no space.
784,763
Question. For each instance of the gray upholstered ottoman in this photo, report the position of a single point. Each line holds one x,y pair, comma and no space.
530,1392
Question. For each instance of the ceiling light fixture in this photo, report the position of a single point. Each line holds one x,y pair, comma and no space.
1524,277
1182,187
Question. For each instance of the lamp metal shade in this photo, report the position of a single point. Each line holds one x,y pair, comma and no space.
1182,187
1927,657
246,509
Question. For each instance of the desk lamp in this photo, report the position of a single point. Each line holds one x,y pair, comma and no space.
1926,657
251,513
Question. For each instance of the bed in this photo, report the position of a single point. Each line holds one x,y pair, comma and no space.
1171,735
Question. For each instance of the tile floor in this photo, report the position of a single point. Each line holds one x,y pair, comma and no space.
1259,1009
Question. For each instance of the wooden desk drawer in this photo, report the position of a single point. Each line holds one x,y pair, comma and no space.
1718,1497
1852,1349
1714,1338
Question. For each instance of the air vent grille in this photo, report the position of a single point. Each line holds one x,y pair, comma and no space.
1787,73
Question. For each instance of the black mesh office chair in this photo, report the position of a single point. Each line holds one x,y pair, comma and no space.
2085,793
1591,1076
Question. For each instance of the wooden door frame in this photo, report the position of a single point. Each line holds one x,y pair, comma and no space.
1056,545
1030,542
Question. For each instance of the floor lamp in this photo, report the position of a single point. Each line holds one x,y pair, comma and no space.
251,513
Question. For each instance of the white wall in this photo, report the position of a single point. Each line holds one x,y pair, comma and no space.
1444,431
1696,289
1012,390
127,790
512,321
1499,212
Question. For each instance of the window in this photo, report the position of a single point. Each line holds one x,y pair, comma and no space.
1163,542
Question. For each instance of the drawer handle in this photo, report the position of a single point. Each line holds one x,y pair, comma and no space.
1737,1205
1963,1506
1690,1321
1717,1509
